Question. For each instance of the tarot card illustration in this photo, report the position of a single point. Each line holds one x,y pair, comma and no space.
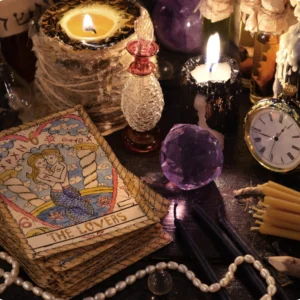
61,187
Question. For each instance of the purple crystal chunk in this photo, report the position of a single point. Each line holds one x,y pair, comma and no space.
191,157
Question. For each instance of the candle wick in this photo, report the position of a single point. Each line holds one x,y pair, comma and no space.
91,29
211,67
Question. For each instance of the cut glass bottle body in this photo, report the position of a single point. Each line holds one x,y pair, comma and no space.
142,102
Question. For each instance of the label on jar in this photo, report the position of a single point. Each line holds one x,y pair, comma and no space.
16,14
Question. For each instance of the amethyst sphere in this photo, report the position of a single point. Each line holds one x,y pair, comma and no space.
191,157
176,25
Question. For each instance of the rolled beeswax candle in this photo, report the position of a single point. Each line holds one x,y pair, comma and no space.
272,192
282,188
282,204
283,215
280,232
281,224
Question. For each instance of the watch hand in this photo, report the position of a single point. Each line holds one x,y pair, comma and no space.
272,149
278,134
265,135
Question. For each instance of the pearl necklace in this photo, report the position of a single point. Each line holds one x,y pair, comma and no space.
12,277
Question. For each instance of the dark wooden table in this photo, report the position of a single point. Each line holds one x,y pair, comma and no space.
239,170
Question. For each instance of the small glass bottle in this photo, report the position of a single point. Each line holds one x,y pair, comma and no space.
222,27
246,51
266,46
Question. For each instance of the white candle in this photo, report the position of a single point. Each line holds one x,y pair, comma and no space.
212,70
222,72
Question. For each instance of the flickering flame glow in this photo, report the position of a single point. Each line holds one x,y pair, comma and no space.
213,52
88,24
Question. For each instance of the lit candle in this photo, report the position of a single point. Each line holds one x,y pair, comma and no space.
212,70
282,204
91,23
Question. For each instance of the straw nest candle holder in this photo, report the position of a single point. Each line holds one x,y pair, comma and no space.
221,96
91,73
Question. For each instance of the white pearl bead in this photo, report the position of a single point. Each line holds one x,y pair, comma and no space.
214,287
271,290
6,275
190,275
2,287
239,260
27,286
224,282
249,259
37,291
1,272
131,279
19,281
232,268
264,273
229,275
140,274
204,288
196,282
172,265
120,286
3,255
47,296
88,298
14,273
257,265
182,268
15,265
270,280
110,292
150,269
10,259
266,297
9,280
161,266
99,296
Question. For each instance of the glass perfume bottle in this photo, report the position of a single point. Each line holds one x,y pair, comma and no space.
266,46
142,98
17,91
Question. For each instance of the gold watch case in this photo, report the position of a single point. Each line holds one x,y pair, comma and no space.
274,104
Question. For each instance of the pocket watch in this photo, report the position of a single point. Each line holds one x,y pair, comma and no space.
272,134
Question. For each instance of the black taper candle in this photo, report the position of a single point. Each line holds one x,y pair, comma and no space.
204,265
246,273
242,245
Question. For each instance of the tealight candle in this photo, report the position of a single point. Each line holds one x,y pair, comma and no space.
91,23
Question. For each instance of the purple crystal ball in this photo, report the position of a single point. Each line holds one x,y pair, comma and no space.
177,26
191,157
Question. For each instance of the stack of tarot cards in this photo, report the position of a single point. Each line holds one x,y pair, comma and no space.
69,211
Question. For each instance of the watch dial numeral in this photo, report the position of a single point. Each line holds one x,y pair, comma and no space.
296,137
257,140
256,129
271,157
262,121
296,148
271,117
282,160
262,150
290,155
281,118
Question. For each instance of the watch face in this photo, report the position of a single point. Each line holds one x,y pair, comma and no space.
274,139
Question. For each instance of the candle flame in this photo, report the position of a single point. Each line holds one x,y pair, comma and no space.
213,52
88,24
